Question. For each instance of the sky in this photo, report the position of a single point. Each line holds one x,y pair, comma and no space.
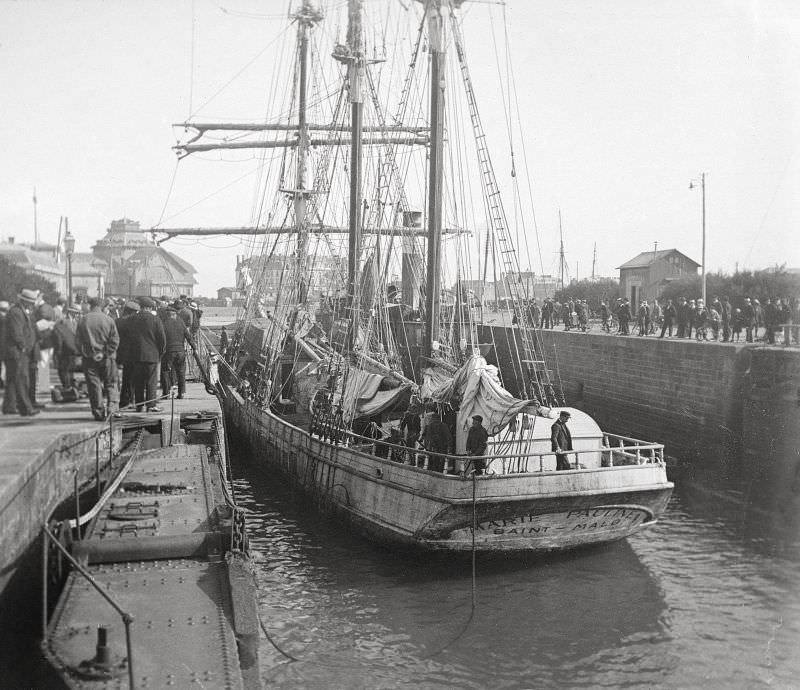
622,103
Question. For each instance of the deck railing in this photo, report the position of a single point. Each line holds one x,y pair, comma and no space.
616,451
127,618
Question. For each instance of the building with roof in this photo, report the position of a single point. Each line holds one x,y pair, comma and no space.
136,265
88,276
43,261
647,274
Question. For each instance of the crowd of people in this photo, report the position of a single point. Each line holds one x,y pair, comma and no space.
132,352
721,320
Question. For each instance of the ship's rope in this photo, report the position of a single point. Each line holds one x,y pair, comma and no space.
273,643
474,588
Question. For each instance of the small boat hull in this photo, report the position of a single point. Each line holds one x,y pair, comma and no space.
394,503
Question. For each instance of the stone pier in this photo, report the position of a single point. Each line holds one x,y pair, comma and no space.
715,406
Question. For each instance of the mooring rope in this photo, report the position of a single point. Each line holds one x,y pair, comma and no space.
473,607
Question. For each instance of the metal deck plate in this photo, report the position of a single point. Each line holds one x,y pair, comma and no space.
182,635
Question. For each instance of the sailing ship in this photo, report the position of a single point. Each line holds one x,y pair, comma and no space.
333,358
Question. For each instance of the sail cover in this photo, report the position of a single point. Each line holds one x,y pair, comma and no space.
363,394
476,389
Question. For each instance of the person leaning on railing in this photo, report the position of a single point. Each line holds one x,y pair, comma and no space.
477,443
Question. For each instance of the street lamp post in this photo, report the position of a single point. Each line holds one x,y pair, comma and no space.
692,185
69,248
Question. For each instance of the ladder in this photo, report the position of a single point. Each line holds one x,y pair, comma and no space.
538,380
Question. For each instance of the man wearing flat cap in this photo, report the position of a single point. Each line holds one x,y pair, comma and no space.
20,343
477,443
97,339
147,347
561,440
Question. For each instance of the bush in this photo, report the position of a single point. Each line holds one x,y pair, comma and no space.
772,282
13,279
593,291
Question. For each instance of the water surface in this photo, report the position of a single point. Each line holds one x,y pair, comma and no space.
706,598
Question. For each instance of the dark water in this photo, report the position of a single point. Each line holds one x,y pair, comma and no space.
707,598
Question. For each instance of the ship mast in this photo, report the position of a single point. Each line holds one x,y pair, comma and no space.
434,10
355,75
306,18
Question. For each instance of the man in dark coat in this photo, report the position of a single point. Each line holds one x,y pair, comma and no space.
670,314
477,443
147,346
127,395
624,315
20,341
437,439
770,321
65,347
749,316
726,314
547,314
683,317
173,363
561,440
97,340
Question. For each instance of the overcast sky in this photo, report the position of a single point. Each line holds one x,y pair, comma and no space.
624,102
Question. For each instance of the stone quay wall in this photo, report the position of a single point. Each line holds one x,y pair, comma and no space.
689,395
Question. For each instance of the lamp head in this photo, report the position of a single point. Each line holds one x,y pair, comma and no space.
69,242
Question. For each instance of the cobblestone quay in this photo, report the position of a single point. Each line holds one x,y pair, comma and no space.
703,400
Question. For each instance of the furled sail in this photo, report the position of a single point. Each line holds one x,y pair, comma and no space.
475,389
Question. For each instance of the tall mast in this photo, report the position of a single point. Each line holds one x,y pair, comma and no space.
306,17
355,74
594,259
434,9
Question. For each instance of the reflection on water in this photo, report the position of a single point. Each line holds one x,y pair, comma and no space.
709,597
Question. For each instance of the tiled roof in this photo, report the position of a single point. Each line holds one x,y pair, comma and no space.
648,258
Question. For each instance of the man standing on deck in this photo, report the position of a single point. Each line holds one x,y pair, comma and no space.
438,441
561,440
97,339
477,443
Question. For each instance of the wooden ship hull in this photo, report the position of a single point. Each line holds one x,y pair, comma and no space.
401,504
